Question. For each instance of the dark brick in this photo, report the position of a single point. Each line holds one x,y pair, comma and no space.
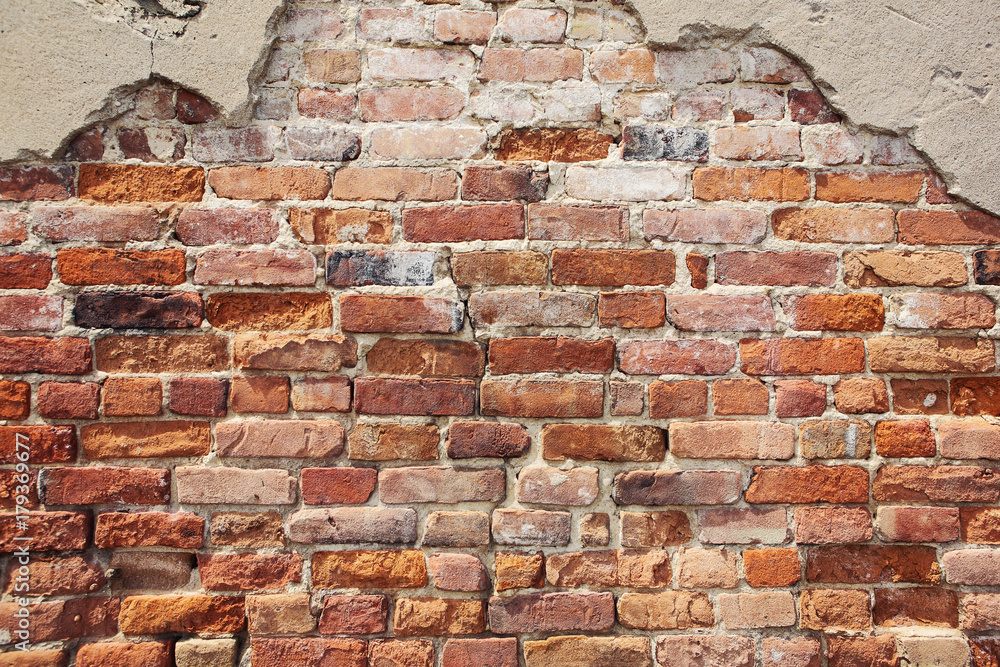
204,397
25,271
809,108
986,267
30,183
379,267
138,310
915,606
87,146
868,564
685,144
698,266
504,183
194,109
468,440
63,356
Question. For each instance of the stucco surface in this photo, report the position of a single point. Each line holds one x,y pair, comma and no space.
63,63
927,69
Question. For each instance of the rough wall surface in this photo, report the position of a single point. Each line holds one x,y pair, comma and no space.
497,338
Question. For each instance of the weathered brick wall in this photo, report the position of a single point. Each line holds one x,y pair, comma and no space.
498,338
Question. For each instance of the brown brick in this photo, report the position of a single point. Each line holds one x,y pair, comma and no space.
389,442
247,529
732,439
148,529
262,311
161,354
704,225
927,397
552,612
832,525
390,396
323,226
426,358
749,184
855,396
434,617
484,183
683,357
542,398
524,309
354,614
519,570
66,619
799,398
488,439
105,485
896,607
202,397
29,183
369,569
889,268
874,651
930,354
943,311
684,487
918,524
408,103
835,439
552,222
491,652
441,485
811,484
270,183
835,611
259,393
46,444
155,614
602,442
669,400
721,313
811,269
640,569
333,66
62,356
849,186
394,184
499,268
655,529
310,651
979,525
951,484
108,266
867,564
740,397
801,356
238,572
114,183
553,145
56,575
322,394
588,651
147,439
123,397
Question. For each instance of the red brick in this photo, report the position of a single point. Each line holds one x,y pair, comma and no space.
685,487
353,614
612,267
669,400
31,312
810,484
553,145
698,267
16,487
631,310
335,486
937,190
15,399
772,568
917,524
50,531
732,439
46,444
487,439
156,614
68,400
104,266
810,108
849,186
255,267
32,183
66,619
62,356
654,529
454,224
279,438
834,312
868,564
811,269
627,398
149,529
458,572
905,438
740,397
414,397
32,271
750,184
541,398
799,398
114,183
192,108
270,183
309,651
802,356
490,652
551,355
683,357
203,397
400,314
103,485
55,575
516,65
97,223
948,228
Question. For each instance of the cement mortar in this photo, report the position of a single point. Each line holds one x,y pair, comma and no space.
65,65
926,69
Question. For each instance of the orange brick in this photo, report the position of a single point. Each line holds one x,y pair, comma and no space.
749,184
881,186
772,568
115,183
123,397
108,266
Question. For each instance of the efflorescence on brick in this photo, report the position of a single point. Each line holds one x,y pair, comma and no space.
499,337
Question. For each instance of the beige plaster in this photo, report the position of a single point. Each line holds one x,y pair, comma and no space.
927,69
64,64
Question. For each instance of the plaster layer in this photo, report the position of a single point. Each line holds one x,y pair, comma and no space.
926,69
64,64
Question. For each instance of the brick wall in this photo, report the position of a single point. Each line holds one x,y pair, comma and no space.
499,338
